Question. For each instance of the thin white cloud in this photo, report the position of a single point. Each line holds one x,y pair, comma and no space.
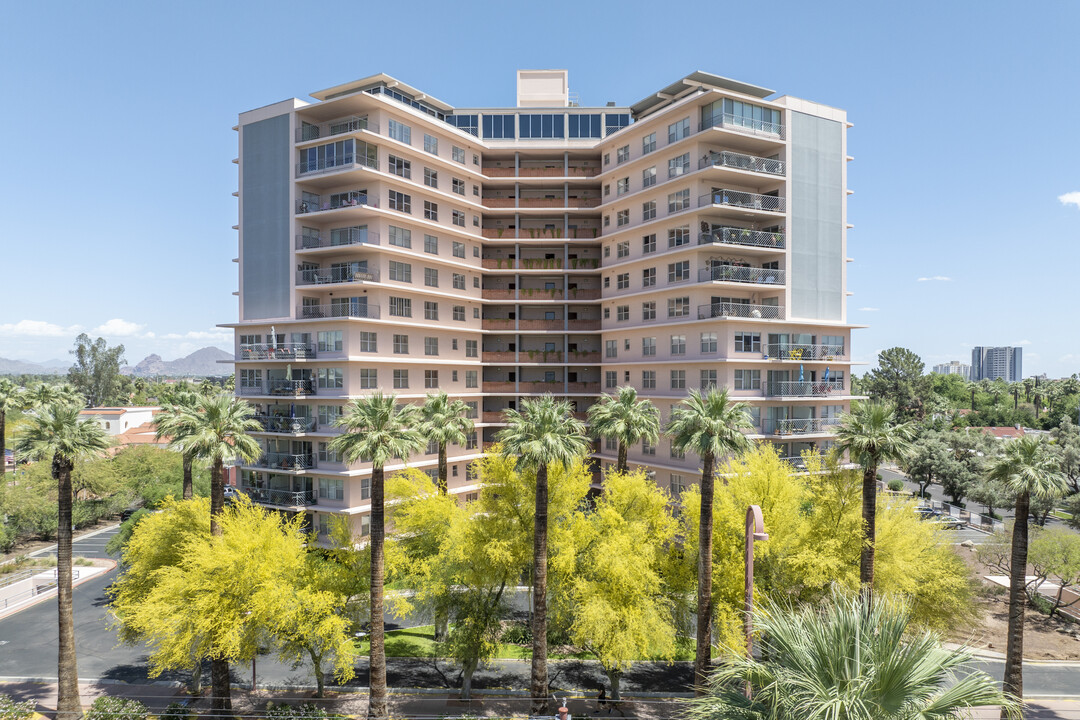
935,278
212,335
868,309
38,328
1022,342
1070,198
118,327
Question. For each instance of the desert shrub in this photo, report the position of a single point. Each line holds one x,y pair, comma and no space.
896,485
116,708
11,710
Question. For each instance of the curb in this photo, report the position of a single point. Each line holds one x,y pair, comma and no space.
75,540
51,594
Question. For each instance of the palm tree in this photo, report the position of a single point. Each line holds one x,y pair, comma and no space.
377,431
846,661
871,434
711,425
12,399
173,422
1029,385
972,386
215,428
445,421
1028,470
57,433
624,418
543,433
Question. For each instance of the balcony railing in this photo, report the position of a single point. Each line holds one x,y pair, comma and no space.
314,131
798,388
739,161
785,351
286,461
314,167
285,498
532,172
738,274
729,121
334,275
281,351
342,310
740,310
797,426
499,386
311,242
251,389
498,356
538,202
743,236
292,387
288,425
318,205
746,200
493,416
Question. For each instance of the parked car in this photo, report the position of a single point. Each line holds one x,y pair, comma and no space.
125,515
231,493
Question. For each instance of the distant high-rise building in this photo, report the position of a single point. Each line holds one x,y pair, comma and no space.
954,367
991,363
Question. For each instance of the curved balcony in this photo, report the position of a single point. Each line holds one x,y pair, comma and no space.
739,123
315,131
314,242
798,426
334,275
342,310
739,274
800,388
743,237
342,162
285,425
304,207
740,310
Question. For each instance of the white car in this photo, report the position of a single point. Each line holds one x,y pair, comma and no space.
231,493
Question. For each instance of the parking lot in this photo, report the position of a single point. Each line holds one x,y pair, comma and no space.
90,546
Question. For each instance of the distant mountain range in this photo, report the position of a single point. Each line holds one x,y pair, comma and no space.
199,363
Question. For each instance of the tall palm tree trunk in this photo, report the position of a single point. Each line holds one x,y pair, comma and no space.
443,475
68,706
539,684
1014,650
622,466
869,516
217,495
3,444
188,492
703,656
377,680
221,702
442,619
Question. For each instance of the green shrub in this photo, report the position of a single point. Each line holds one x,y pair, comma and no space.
11,710
116,708
8,536
517,633
303,711
896,485
176,711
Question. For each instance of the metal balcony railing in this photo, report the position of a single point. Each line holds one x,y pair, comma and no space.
323,276
734,273
311,242
729,121
286,498
793,351
292,387
318,204
743,236
251,389
799,388
739,161
341,310
286,461
281,351
314,131
347,160
797,426
289,425
741,310
743,199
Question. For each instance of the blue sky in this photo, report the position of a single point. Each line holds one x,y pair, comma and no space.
117,118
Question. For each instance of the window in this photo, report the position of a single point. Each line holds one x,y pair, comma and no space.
611,443
607,220
471,379
678,307
622,154
648,277
648,244
622,313
678,130
648,210
677,201
400,132
584,126
431,178
647,448
369,379
622,281
677,237
471,349
678,165
400,201
607,312
431,277
329,414
622,217
431,244
678,344
400,237
541,126
678,271
476,220
607,158
431,346
401,344
459,281
678,485
329,341
747,379
457,186
431,379
329,488
369,342
431,211
648,177
431,144
622,186
459,249
454,346
458,218
648,379
708,379
458,154
332,378
400,166
747,342
678,379
401,379
401,272
742,114
708,342
459,313
648,310
498,127
611,379
648,346
401,307
431,310
648,143
611,348
613,122
622,249
365,520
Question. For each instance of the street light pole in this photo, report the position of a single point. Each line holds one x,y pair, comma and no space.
755,530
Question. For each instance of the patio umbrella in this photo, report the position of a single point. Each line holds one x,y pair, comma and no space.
800,373
273,336
292,410
826,373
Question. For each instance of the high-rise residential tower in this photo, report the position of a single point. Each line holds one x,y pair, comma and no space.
993,363
954,367
391,241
